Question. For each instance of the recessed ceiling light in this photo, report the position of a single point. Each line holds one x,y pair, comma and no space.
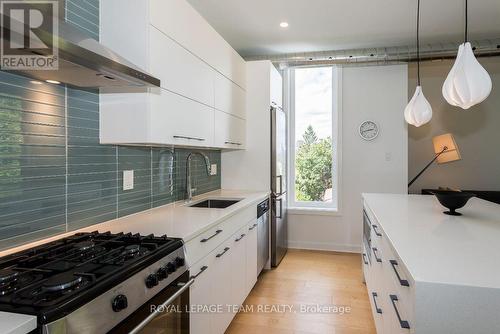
284,24
53,82
36,82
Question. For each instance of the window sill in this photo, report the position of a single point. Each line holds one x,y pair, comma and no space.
314,211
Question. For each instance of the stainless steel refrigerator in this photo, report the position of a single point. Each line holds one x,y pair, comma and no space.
279,229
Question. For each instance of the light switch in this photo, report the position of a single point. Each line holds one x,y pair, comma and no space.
128,179
213,169
388,156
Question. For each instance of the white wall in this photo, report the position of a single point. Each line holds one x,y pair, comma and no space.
377,93
476,132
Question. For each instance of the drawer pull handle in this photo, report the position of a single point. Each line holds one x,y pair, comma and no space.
402,323
233,143
403,282
210,237
364,259
189,138
202,269
374,296
252,227
375,250
241,237
375,229
224,252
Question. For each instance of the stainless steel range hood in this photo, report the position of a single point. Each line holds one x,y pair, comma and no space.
85,63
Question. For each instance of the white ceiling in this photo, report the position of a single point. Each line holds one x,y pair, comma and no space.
252,26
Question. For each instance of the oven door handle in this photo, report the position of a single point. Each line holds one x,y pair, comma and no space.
162,307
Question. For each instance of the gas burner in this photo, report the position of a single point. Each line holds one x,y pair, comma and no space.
7,275
62,282
84,245
131,250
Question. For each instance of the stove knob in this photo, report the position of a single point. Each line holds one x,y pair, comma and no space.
179,261
151,281
162,274
171,267
119,303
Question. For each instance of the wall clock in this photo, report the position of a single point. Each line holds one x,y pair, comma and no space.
368,130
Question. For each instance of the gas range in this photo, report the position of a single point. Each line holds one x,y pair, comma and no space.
89,282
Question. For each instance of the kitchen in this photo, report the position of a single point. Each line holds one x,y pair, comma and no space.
169,167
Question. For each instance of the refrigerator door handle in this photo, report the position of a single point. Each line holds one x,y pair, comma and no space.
281,208
280,177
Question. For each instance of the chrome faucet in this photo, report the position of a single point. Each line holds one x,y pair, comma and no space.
189,188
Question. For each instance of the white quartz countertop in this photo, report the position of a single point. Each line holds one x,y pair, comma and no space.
175,219
438,248
12,323
178,219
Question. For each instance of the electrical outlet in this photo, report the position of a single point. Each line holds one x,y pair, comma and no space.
213,169
388,156
128,179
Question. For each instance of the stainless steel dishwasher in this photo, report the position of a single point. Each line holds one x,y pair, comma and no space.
262,234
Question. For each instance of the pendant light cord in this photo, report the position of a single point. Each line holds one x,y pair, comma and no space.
466,37
418,42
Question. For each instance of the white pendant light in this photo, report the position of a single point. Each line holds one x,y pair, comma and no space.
468,83
418,111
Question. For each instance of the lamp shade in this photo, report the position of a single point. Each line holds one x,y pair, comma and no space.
418,111
446,145
468,83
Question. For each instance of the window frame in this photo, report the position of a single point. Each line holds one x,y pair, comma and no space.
316,208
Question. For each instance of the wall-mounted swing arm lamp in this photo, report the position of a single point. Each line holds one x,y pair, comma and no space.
445,150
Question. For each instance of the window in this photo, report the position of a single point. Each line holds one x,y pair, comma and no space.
313,137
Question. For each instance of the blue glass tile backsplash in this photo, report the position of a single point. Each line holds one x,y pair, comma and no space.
56,177
54,174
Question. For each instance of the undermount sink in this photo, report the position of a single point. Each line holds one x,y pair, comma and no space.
215,203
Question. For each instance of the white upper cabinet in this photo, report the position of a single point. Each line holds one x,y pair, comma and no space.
180,21
230,131
181,121
229,97
179,70
202,78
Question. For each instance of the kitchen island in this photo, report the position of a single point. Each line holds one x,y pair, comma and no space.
427,272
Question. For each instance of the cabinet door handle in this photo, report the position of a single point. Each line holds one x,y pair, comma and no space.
224,252
375,250
402,323
374,296
375,229
189,138
403,282
241,237
252,227
202,269
233,143
364,259
212,236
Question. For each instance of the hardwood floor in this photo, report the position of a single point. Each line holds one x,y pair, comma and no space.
308,278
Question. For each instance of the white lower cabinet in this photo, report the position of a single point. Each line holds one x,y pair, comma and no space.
224,277
390,289
251,256
238,267
200,295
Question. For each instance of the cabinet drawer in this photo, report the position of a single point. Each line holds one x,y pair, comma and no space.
230,131
202,245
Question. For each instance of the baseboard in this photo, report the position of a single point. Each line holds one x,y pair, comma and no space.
324,246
